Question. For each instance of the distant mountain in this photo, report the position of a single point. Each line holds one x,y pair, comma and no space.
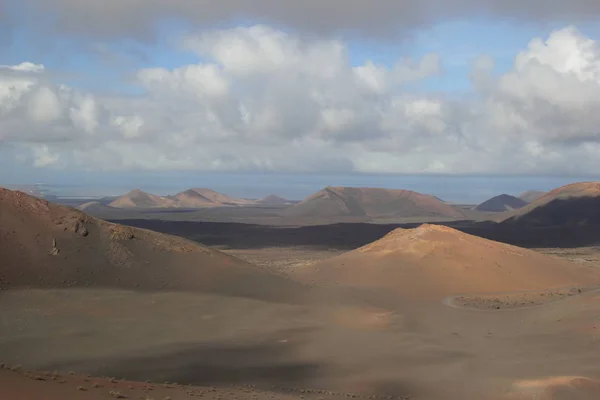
531,195
273,200
218,198
203,197
370,202
503,202
191,198
139,199
574,204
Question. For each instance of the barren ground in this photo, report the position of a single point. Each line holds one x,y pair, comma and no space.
284,258
374,324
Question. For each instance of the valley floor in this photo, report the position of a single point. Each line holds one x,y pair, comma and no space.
344,344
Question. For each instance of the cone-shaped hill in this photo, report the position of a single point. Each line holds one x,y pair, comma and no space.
371,202
139,199
503,202
434,261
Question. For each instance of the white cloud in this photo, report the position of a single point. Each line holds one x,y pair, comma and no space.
246,51
129,126
42,157
44,106
198,80
84,114
265,99
26,67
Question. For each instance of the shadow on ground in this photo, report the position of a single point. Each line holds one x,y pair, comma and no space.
348,236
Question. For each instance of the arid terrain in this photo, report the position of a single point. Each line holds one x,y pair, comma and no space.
91,309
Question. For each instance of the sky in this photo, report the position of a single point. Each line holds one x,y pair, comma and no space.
459,98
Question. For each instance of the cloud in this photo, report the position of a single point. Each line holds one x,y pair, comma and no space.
42,157
375,18
34,110
262,99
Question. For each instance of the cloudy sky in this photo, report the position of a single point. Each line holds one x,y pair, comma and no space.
170,93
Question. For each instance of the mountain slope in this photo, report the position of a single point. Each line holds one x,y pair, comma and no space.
371,202
503,202
574,204
531,195
47,245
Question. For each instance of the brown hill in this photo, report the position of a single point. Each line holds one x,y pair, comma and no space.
371,202
139,199
433,261
202,197
47,245
192,199
572,204
219,198
531,195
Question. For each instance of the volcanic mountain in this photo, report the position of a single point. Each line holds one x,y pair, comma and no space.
503,202
531,195
218,198
192,198
372,203
433,261
139,199
574,204
47,245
